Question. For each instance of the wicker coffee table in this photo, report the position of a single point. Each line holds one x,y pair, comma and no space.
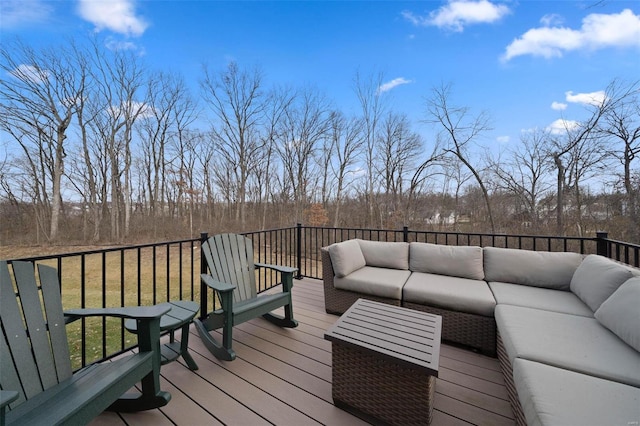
385,361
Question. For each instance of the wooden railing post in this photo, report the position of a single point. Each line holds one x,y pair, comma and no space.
203,270
602,246
405,234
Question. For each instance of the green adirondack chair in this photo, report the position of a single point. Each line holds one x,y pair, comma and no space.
37,381
232,276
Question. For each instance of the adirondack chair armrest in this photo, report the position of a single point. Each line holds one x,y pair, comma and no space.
286,274
6,398
217,285
132,312
283,269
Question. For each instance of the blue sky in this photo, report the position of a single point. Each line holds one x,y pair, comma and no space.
527,63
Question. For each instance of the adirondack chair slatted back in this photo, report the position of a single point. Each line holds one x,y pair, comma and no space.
230,260
34,351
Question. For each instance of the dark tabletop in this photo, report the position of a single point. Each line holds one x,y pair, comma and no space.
398,334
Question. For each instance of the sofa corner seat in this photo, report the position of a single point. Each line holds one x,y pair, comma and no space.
337,301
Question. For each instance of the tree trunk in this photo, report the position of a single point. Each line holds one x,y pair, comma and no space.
560,195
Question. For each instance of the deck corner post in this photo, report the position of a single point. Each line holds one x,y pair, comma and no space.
602,246
203,270
299,250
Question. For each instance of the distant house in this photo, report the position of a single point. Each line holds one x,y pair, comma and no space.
441,219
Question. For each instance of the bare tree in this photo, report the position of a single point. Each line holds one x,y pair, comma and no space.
279,102
237,100
87,178
205,161
164,139
621,124
579,135
459,131
119,77
430,166
40,91
342,149
398,147
185,146
372,106
458,176
587,159
153,128
305,124
524,173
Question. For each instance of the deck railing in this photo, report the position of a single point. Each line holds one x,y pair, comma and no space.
153,273
313,238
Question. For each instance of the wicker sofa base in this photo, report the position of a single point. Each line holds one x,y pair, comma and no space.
338,301
507,372
381,391
476,331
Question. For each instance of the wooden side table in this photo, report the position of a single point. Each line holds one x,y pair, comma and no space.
181,314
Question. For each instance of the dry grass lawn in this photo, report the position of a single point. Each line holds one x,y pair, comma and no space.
129,277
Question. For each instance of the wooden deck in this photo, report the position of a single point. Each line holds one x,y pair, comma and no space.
283,377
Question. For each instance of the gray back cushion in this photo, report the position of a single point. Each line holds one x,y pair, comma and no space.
454,261
620,313
534,268
597,278
346,257
382,254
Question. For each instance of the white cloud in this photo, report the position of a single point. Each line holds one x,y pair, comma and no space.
598,31
115,45
562,126
593,98
131,108
415,20
551,20
503,139
30,74
115,15
16,13
457,14
393,84
558,106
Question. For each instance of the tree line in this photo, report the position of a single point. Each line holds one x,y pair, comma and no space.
97,147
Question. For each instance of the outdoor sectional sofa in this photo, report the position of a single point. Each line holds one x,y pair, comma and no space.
565,327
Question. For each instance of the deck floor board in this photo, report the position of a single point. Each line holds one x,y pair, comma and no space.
283,377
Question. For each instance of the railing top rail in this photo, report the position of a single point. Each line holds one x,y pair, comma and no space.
478,234
269,230
104,250
623,243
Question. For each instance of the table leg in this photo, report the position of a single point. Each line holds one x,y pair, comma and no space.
184,348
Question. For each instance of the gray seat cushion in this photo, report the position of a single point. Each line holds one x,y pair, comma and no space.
458,294
346,257
597,278
534,268
382,254
620,313
567,341
464,262
382,282
539,298
553,396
